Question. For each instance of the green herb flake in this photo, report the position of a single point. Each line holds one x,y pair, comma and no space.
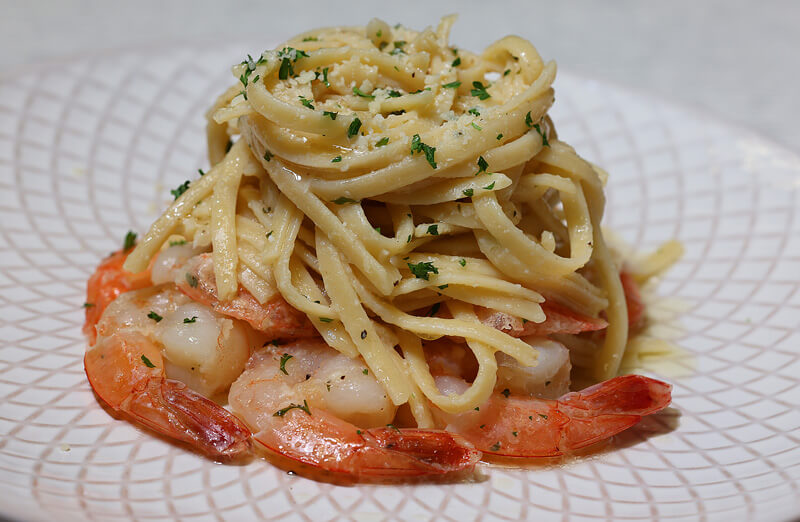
192,280
190,320
88,305
341,200
326,319
514,433
506,72
482,164
479,91
398,44
477,408
154,316
337,159
330,114
284,359
393,94
383,141
409,239
267,155
545,143
490,186
418,146
462,262
434,309
310,39
325,80
147,362
476,126
542,415
130,240
358,92
365,371
363,334
468,192
292,406
306,102
528,120
177,243
393,427
354,127
421,270
506,393
474,111
288,57
433,230
495,447
200,171
456,62
183,187
547,383
499,136
452,85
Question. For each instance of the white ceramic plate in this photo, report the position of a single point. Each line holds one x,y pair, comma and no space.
89,148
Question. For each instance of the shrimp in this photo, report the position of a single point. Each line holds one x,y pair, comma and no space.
157,354
523,426
105,284
276,319
311,404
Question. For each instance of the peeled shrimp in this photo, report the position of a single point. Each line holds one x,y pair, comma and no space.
309,403
276,319
522,426
157,353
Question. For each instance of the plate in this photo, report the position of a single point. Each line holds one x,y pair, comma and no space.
89,149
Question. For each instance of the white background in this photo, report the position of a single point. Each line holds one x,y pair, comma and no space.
737,59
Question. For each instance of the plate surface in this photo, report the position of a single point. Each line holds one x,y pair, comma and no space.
89,148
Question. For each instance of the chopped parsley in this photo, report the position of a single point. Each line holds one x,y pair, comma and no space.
398,44
542,415
495,447
267,155
506,72
292,406
490,186
337,159
383,141
545,143
192,280
477,408
456,62
190,320
506,393
418,146
462,262
354,127
433,230
482,164
341,200
147,362
499,136
359,92
310,39
330,114
325,319
88,305
479,91
442,287
434,309
452,85
365,371
306,102
325,79
130,240
514,433
177,243
284,359
393,94
183,187
476,126
421,270
474,111
200,171
528,120
154,316
468,192
288,57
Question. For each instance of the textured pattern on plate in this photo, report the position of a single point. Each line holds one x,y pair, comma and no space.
90,148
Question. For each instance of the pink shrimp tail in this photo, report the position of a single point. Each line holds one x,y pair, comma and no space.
328,443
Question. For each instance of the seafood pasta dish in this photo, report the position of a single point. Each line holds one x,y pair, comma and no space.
392,269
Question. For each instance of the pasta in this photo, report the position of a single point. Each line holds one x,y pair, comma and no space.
390,193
